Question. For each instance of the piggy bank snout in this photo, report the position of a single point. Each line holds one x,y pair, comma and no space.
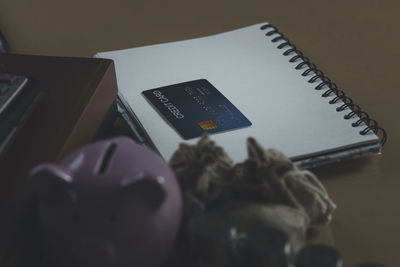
95,253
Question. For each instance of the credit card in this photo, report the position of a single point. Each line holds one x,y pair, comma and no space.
196,108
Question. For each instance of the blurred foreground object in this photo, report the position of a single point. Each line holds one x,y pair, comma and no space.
265,191
110,203
318,256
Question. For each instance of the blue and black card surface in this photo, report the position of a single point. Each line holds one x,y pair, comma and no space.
196,108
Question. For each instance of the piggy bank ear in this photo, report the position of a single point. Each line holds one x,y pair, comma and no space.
49,182
149,187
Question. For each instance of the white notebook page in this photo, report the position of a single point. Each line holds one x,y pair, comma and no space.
286,111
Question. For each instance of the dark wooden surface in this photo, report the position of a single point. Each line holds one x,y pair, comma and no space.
356,43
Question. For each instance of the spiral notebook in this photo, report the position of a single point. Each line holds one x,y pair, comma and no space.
291,105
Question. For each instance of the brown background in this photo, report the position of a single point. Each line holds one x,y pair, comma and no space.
356,43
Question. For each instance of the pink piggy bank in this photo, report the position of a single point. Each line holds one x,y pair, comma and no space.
111,203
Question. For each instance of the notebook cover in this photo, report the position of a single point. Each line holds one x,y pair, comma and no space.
14,118
14,112
249,69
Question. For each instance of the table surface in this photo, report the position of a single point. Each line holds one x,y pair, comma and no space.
356,43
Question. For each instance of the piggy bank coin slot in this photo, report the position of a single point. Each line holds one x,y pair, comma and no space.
106,158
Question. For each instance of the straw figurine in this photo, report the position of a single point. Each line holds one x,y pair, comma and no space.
224,203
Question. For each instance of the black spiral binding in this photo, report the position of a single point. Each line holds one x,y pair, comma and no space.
325,83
